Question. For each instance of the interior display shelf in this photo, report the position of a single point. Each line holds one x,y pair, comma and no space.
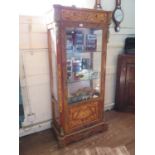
75,52
90,75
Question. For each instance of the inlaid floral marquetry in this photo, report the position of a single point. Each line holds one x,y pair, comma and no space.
83,114
88,16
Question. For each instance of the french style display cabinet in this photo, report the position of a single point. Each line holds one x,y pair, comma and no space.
77,41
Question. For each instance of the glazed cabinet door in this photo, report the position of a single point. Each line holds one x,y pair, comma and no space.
54,74
83,75
83,64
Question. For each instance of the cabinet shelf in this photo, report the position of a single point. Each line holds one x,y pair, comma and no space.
73,81
82,98
83,52
91,75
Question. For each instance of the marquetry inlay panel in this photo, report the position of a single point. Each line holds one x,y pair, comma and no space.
84,114
85,16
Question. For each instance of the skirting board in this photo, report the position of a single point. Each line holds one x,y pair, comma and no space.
109,106
34,128
46,125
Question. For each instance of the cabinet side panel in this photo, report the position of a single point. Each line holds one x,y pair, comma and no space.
54,77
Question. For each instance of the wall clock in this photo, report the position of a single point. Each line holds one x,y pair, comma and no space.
118,15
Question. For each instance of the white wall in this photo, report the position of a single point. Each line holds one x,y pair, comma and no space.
34,67
34,73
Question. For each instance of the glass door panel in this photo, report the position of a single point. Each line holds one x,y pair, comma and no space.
83,55
55,99
54,63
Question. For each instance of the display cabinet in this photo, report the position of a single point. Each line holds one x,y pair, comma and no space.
77,40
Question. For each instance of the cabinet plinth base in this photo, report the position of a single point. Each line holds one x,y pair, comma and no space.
78,135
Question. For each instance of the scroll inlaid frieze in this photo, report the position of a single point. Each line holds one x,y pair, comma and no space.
74,15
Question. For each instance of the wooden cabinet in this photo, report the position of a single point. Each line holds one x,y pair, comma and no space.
77,41
125,85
